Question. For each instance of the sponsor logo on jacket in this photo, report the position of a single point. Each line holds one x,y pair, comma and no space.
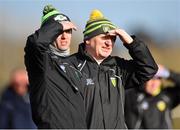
89,81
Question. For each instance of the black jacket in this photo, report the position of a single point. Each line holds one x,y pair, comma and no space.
55,87
143,111
105,83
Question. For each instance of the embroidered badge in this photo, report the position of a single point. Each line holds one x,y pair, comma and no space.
144,105
63,68
113,81
106,28
89,81
161,105
60,18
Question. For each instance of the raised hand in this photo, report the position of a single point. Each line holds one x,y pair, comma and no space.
68,25
123,35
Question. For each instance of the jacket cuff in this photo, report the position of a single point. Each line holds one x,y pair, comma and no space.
51,24
172,75
133,44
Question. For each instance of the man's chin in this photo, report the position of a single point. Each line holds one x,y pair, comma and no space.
63,49
105,55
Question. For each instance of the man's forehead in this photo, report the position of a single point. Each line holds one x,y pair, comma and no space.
106,35
109,36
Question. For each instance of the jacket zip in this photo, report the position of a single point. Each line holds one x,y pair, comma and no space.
122,102
101,97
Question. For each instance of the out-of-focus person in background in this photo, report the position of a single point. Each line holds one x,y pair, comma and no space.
152,109
15,110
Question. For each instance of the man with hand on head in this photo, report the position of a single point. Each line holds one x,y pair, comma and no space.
107,76
55,96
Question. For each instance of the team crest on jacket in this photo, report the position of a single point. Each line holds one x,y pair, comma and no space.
161,105
113,81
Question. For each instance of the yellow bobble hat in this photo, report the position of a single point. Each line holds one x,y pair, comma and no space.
50,11
97,24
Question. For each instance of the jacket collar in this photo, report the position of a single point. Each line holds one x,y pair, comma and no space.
59,52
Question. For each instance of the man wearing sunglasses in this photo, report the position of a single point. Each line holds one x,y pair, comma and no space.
54,86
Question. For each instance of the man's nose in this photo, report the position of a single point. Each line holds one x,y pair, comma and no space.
108,42
64,35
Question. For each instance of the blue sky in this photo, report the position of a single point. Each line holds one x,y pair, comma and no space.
161,18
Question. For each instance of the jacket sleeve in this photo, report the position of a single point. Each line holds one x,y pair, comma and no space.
174,92
171,96
141,68
175,77
37,45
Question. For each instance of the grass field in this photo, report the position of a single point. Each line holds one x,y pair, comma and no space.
176,123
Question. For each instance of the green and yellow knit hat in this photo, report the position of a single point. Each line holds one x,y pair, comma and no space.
97,24
50,11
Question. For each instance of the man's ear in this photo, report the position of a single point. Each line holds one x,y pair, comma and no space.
87,42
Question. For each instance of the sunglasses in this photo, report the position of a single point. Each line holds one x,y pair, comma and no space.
69,31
